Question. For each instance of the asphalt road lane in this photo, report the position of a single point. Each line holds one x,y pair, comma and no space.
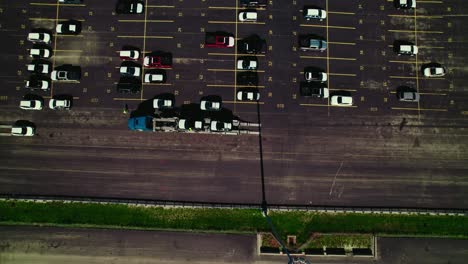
58,245
387,147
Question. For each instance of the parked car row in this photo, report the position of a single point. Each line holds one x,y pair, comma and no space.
131,71
403,47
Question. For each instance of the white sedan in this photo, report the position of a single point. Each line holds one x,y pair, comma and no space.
207,105
248,16
57,104
37,52
23,131
434,71
39,37
247,95
218,126
30,104
341,100
163,103
247,63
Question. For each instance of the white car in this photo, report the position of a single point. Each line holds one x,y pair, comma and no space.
187,124
248,16
315,13
42,68
37,52
405,4
219,126
163,103
406,50
434,71
129,54
30,104
130,71
341,100
154,78
57,104
39,37
247,63
248,95
207,105
23,131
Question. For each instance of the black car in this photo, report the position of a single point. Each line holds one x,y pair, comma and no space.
130,7
129,85
66,72
314,89
70,27
38,82
39,66
252,44
247,78
404,4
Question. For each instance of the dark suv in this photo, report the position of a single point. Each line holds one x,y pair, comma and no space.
252,44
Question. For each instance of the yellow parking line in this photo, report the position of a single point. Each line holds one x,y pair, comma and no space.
54,4
233,22
158,84
342,74
395,61
352,106
430,2
431,47
232,54
441,94
456,15
129,99
343,89
222,7
232,70
53,19
232,85
402,77
412,16
343,43
418,31
323,26
60,50
142,20
341,13
242,102
324,58
150,37
76,36
160,6
417,109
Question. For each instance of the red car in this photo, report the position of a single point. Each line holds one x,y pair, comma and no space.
158,61
219,40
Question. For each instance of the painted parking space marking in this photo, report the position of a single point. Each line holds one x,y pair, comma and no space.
324,26
324,58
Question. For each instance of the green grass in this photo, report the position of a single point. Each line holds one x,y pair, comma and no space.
299,223
340,241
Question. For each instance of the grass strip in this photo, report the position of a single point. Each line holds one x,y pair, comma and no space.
299,223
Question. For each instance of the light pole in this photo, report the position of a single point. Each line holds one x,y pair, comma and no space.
264,205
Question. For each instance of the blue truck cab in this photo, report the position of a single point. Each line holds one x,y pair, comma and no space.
141,123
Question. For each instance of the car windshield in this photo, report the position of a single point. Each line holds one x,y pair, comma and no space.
433,71
32,103
245,63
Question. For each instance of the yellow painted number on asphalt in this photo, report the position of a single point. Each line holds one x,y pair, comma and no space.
94,100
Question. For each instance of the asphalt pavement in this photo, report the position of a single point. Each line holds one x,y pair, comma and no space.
380,152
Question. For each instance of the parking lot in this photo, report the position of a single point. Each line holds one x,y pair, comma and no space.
379,152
